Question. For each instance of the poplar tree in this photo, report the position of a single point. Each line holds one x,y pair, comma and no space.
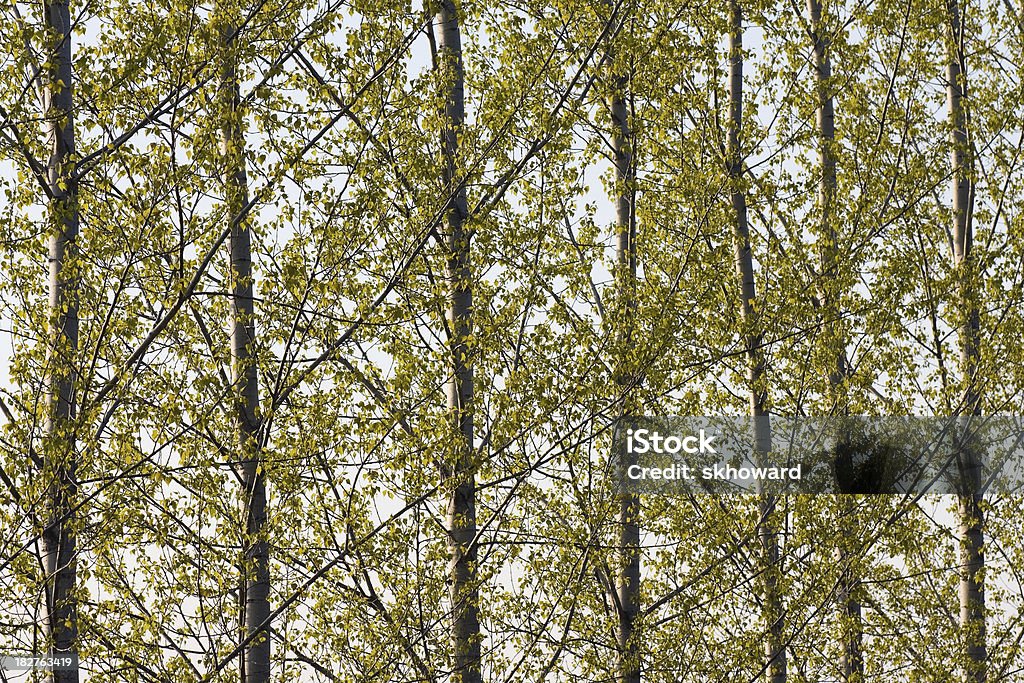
851,662
254,587
972,530
627,597
60,458
774,643
461,519
787,258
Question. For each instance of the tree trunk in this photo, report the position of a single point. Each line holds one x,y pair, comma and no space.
462,528
625,255
58,539
775,649
851,662
828,241
255,583
972,535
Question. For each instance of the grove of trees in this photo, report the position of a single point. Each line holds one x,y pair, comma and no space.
318,315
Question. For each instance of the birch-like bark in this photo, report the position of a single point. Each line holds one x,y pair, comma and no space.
628,587
851,662
774,648
58,538
461,520
254,593
972,533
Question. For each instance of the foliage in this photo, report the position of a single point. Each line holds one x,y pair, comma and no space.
342,113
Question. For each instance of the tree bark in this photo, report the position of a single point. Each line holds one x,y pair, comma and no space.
628,587
58,538
972,533
828,244
775,648
255,583
851,661
461,520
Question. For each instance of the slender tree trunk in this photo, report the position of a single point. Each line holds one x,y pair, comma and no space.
850,618
972,534
58,540
462,528
774,648
828,240
255,583
628,587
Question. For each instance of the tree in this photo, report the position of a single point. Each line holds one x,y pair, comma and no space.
774,645
627,596
852,663
406,423
462,527
60,458
254,589
972,534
